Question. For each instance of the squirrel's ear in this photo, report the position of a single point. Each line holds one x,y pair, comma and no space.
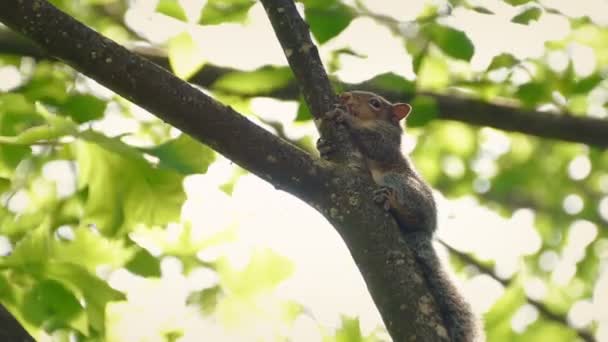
401,110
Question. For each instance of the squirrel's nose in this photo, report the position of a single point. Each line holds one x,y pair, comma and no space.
345,96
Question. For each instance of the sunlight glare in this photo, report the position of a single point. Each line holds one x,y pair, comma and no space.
523,317
573,204
579,167
10,78
580,314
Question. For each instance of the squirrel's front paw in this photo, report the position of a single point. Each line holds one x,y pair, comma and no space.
338,114
324,148
383,196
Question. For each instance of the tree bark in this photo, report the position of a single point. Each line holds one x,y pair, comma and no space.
341,194
11,330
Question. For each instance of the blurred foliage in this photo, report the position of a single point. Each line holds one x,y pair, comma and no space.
120,206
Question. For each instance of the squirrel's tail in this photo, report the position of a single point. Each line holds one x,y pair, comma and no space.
455,311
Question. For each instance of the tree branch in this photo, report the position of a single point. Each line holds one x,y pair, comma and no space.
11,329
393,278
541,307
564,126
165,95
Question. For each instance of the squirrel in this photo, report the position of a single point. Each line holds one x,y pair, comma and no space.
373,123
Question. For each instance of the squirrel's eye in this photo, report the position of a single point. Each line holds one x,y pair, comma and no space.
375,103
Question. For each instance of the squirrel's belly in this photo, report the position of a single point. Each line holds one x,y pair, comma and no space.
377,175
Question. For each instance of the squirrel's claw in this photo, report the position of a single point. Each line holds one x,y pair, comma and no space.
382,197
338,114
324,148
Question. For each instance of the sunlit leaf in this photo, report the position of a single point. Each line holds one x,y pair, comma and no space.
55,127
264,272
504,60
5,183
258,82
517,2
171,8
95,292
424,110
532,93
184,56
123,188
304,113
327,22
481,9
90,250
587,84
221,11
433,73
144,264
498,319
48,84
184,155
83,107
206,299
527,16
32,252
452,42
393,82
50,304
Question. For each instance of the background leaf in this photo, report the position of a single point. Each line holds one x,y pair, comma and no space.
452,42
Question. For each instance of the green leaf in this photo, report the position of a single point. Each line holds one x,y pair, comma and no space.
527,16
532,93
185,244
517,2
433,74
5,184
95,292
184,56
17,113
327,22
171,8
483,10
587,84
206,299
504,60
48,84
184,155
221,11
89,250
55,127
50,304
393,82
264,272
424,110
31,253
123,188
83,107
319,3
144,264
304,113
258,82
452,42
349,331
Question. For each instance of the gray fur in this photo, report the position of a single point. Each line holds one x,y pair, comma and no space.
415,213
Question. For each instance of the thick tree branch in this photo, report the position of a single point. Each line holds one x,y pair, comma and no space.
540,306
11,329
168,97
565,126
385,261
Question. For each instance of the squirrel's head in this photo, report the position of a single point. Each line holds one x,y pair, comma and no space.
369,106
